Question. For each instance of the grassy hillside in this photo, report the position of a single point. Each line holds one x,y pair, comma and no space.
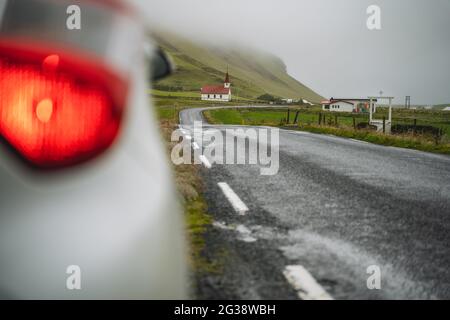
252,73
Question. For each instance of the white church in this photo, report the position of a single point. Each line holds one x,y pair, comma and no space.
217,92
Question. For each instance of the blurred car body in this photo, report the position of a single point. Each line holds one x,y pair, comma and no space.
84,178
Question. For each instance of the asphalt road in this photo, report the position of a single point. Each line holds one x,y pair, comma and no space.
336,206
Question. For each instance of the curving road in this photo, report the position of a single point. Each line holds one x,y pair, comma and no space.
335,207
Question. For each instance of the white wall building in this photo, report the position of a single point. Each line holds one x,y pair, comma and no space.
347,105
217,92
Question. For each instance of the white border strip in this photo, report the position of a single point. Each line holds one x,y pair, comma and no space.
233,198
304,283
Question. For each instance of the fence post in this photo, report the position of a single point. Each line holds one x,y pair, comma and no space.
354,123
438,135
336,120
288,115
296,116
320,118
384,124
414,127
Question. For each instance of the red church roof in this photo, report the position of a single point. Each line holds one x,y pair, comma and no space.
215,89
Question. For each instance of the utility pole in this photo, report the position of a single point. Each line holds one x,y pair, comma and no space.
408,102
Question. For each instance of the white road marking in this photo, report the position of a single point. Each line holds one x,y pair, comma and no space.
304,283
195,145
205,161
244,233
233,198
295,131
361,141
222,225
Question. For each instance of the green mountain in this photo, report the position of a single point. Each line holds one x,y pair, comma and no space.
252,72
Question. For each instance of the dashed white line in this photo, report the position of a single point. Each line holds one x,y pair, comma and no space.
304,283
195,145
233,198
205,161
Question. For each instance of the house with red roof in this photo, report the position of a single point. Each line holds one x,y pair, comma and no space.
217,92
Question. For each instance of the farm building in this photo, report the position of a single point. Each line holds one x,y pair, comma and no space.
217,92
347,105
446,109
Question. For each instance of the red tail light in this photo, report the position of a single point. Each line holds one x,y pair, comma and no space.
57,109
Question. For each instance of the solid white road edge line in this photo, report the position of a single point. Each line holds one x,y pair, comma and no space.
233,198
304,283
205,161
244,233
295,131
360,141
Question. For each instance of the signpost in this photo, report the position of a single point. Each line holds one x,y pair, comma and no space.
386,127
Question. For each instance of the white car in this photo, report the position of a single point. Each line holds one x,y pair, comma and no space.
88,208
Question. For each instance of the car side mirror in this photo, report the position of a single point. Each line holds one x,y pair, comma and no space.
160,65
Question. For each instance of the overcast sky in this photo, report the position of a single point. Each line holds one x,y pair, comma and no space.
326,44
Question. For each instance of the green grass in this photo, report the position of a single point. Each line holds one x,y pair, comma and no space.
308,121
177,94
401,141
267,116
224,116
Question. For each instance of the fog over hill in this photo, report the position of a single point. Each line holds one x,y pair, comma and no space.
253,72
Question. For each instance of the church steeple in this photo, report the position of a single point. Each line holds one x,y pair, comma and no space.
227,82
